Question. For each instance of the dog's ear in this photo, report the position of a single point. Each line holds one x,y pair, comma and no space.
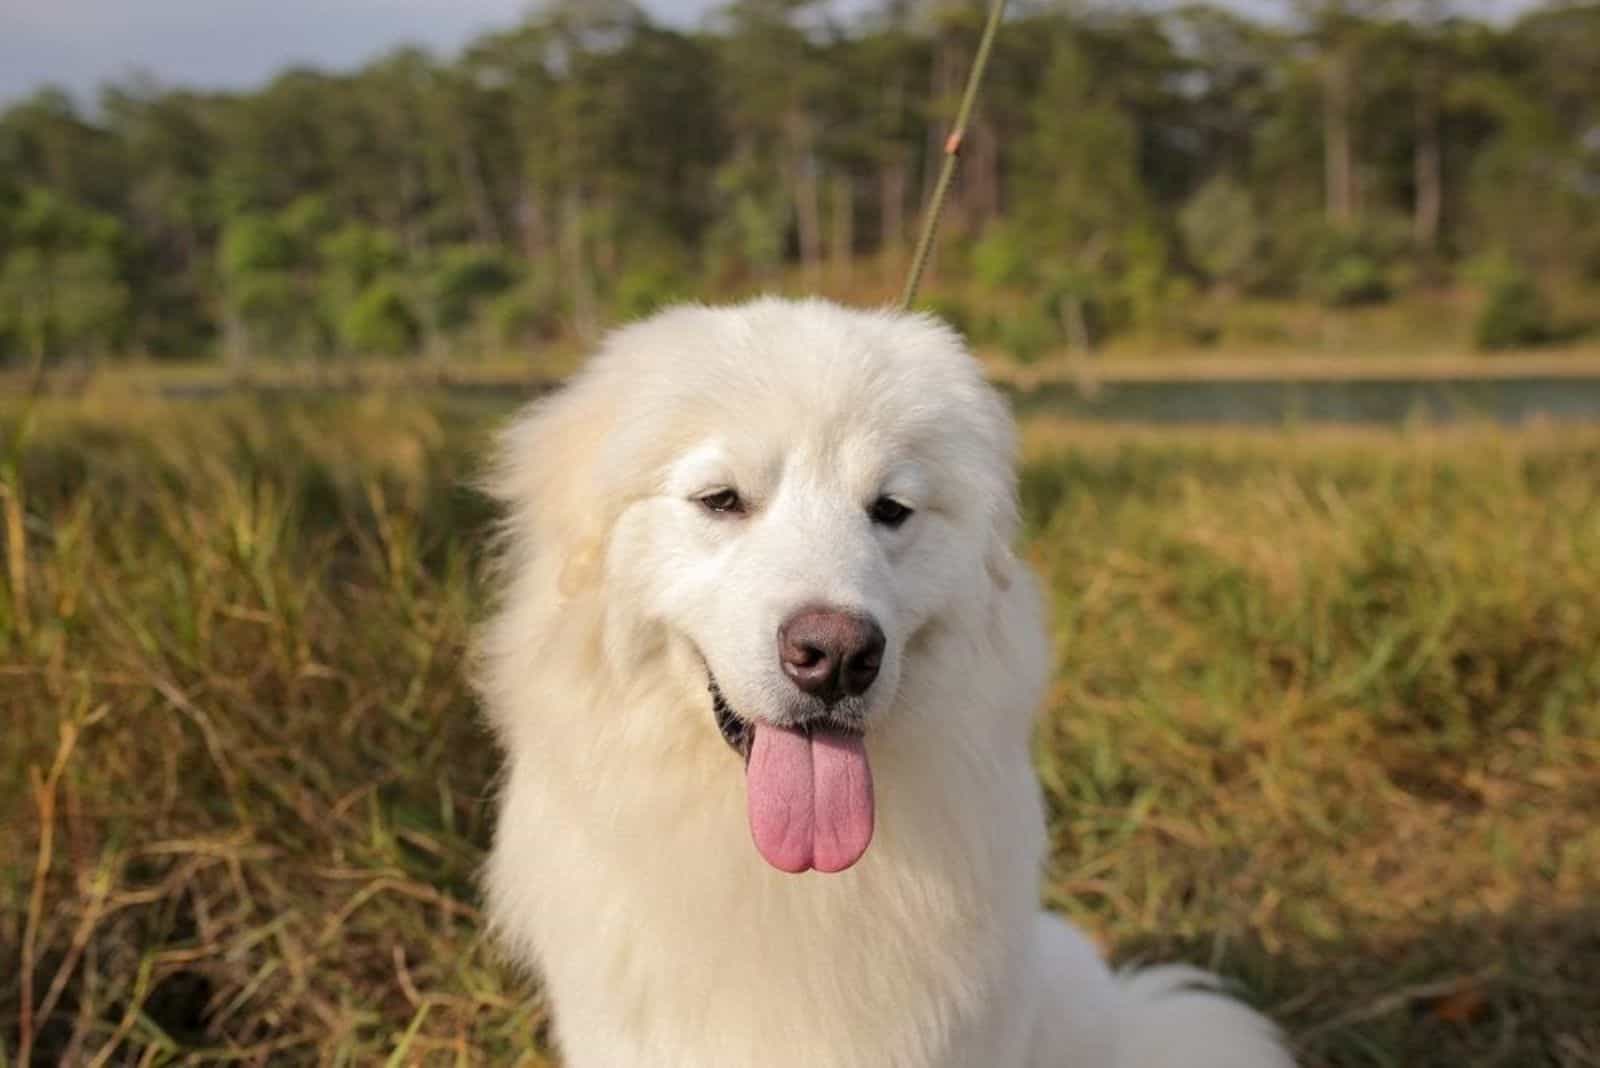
1001,560
549,477
999,452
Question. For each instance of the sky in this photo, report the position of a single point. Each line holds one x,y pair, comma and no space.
80,44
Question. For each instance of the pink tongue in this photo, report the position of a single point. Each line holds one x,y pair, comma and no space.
810,798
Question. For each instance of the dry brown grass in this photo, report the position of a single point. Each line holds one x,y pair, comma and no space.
1327,717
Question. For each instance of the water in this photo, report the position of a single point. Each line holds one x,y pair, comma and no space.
1259,402
1251,402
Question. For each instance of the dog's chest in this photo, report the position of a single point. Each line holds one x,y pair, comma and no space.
666,932
896,974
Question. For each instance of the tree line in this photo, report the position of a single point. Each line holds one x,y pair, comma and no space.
591,163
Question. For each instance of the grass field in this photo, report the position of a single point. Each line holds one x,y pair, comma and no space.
1327,718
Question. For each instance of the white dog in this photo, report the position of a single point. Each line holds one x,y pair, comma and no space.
759,614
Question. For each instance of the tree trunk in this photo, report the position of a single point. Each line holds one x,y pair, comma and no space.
235,341
983,173
892,166
808,217
470,169
800,171
575,268
803,186
844,226
411,187
1075,324
892,182
1338,153
1428,169
532,225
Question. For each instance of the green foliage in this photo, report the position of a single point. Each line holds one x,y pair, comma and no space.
956,312
356,255
349,263
528,315
1065,305
273,315
381,322
1003,259
1351,266
647,285
1149,290
308,217
1081,193
1350,279
1124,165
69,303
465,279
1029,333
754,225
265,288
255,244
1514,313
62,291
1531,187
1224,234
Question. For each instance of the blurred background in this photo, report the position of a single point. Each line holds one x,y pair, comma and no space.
1298,309
1395,178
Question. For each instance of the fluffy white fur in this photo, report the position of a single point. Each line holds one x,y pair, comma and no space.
623,870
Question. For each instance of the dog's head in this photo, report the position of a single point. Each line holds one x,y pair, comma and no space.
781,499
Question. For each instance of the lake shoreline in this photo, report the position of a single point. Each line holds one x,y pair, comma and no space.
1235,390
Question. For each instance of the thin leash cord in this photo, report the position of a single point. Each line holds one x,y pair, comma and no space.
952,155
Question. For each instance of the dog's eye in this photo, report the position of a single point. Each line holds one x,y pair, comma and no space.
888,512
726,502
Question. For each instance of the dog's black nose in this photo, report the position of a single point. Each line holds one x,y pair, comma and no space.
830,654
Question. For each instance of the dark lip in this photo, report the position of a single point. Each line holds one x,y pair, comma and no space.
740,733
736,732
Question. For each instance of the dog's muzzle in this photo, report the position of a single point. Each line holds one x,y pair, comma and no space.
847,717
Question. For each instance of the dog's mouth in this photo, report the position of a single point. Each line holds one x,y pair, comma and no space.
736,732
739,733
808,786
